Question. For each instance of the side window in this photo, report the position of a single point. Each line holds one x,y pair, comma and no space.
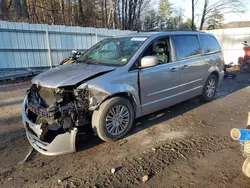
186,46
209,44
161,49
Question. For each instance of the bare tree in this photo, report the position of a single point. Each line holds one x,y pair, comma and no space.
111,14
118,13
62,11
77,20
43,17
106,11
194,3
25,13
33,11
224,6
72,14
204,13
81,15
129,13
3,10
124,14
192,14
53,14
17,9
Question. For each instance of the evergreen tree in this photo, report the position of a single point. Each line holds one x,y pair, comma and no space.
215,20
150,20
188,25
164,13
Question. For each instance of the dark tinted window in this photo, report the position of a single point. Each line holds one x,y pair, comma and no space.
186,46
209,44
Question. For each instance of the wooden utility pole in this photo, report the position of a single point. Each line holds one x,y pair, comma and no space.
193,15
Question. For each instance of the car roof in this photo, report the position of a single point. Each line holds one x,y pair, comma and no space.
156,34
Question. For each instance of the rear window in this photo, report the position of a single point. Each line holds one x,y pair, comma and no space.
209,44
186,46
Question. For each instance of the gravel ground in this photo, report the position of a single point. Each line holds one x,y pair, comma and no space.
187,145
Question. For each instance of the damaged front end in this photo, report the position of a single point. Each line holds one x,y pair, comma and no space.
52,117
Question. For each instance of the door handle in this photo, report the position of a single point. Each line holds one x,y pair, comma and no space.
184,67
173,69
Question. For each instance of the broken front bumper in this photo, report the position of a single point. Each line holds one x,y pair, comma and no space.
61,144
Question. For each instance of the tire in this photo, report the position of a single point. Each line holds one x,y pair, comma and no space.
244,68
246,167
206,95
105,124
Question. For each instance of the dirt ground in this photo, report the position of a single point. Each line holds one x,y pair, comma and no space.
187,145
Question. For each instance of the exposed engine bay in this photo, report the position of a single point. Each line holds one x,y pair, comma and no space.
57,110
56,114
60,104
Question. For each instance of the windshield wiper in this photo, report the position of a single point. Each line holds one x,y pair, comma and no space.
87,61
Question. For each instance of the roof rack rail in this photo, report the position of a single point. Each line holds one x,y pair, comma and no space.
169,30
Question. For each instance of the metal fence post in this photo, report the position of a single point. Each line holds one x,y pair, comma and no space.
48,47
96,37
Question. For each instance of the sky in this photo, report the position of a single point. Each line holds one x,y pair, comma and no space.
186,6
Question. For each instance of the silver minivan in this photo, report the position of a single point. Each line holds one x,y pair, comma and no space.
117,80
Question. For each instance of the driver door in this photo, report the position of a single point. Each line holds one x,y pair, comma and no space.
159,84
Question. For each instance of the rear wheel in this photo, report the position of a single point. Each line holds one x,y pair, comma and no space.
210,88
113,119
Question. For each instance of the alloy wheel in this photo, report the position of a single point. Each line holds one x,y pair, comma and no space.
210,88
117,120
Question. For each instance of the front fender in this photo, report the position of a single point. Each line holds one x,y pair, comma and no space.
104,91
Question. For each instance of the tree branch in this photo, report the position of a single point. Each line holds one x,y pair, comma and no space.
37,6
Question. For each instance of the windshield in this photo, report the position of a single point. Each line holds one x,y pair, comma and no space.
112,51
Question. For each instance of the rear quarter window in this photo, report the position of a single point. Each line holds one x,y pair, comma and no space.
186,46
209,44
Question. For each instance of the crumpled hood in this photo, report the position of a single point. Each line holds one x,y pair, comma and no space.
68,75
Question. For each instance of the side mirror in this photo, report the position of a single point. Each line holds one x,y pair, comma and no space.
149,61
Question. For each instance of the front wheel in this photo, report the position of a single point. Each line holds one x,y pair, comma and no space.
113,119
210,88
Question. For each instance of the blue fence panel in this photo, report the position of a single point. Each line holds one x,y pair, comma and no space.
24,45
